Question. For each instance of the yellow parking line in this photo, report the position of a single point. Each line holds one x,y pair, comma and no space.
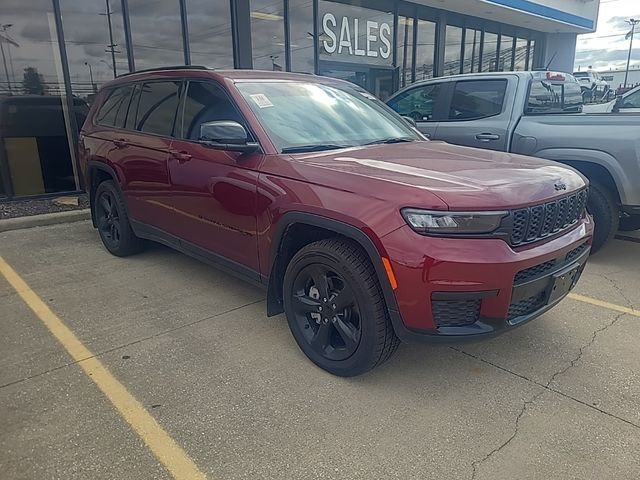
166,450
607,305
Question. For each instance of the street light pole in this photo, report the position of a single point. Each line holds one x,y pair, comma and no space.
633,22
93,85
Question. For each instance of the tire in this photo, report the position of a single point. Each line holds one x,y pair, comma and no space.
630,223
351,339
606,215
113,222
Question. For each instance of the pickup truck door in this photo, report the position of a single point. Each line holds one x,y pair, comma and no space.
424,103
477,113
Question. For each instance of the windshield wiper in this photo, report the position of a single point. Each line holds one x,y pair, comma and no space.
391,140
313,148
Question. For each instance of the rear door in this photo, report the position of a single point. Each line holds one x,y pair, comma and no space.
478,114
144,151
424,103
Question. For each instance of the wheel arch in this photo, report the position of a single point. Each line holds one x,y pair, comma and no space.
98,173
297,229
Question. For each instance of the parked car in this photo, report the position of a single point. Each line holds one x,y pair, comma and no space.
626,103
360,230
592,81
538,114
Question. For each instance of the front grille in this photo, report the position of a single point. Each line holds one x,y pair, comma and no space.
535,223
576,252
527,306
455,313
535,271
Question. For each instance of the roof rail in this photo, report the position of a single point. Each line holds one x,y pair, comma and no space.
168,67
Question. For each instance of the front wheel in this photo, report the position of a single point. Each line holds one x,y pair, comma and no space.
336,310
606,215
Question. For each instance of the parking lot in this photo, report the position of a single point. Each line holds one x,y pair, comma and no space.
199,382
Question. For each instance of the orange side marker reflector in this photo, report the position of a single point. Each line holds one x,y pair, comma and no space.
390,275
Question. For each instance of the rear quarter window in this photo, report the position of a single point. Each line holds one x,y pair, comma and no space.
113,112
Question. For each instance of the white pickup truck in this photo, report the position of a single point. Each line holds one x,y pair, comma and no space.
627,103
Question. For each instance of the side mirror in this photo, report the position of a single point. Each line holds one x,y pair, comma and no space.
410,120
226,135
619,103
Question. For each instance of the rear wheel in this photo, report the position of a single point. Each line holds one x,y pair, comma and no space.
630,223
113,222
336,310
606,215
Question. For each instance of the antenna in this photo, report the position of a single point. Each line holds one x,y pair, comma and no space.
551,61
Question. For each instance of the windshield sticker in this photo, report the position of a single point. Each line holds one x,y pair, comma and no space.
261,100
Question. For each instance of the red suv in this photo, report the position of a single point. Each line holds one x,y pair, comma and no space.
362,231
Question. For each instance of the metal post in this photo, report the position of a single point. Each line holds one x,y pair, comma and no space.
414,47
633,22
70,117
126,23
481,51
112,46
185,32
241,32
441,40
93,85
6,70
463,41
316,39
287,37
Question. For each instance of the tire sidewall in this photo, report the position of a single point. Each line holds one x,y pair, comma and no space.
361,360
602,206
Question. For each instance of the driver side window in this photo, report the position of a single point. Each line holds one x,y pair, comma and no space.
418,103
632,101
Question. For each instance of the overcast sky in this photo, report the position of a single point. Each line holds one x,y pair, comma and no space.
607,48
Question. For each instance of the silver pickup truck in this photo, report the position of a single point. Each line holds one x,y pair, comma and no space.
537,114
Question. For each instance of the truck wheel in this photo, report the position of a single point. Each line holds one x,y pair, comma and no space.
630,223
336,310
113,222
606,215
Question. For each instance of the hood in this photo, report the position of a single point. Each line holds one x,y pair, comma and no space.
463,178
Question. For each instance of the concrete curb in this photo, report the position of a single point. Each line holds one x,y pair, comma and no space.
44,219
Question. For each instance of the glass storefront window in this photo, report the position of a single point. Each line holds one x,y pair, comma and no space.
301,35
210,38
96,53
156,33
506,52
405,49
521,54
471,51
267,34
532,49
452,50
425,49
35,123
490,47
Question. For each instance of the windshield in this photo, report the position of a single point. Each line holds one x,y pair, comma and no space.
306,116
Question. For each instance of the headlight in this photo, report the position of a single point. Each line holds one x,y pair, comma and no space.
461,223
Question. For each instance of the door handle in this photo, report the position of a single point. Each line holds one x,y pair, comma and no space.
182,157
487,137
121,143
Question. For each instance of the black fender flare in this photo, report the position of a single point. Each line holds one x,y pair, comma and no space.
341,228
92,166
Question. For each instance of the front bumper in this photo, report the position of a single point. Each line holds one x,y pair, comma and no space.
460,289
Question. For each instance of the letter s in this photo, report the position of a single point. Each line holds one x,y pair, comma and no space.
385,28
329,18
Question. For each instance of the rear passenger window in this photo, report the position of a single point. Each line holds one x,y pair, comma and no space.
157,107
477,99
114,110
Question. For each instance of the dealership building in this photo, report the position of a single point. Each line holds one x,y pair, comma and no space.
57,53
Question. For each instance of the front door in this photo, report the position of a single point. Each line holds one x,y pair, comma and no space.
424,104
214,192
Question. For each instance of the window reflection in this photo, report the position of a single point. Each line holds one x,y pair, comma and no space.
425,49
156,33
506,53
405,49
210,38
267,34
521,54
490,47
471,51
452,50
301,35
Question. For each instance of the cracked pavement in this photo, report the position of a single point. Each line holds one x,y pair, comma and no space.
557,398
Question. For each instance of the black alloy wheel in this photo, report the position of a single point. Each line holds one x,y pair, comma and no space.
327,312
108,219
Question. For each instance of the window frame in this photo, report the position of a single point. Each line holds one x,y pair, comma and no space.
451,92
108,94
141,83
442,100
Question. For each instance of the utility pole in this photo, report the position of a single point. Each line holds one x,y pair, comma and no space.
633,22
93,85
111,48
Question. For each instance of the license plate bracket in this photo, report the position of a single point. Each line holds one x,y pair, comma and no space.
563,282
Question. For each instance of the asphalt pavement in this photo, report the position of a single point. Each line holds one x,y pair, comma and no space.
158,366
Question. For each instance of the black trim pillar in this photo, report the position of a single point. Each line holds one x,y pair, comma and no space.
241,31
441,40
316,38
